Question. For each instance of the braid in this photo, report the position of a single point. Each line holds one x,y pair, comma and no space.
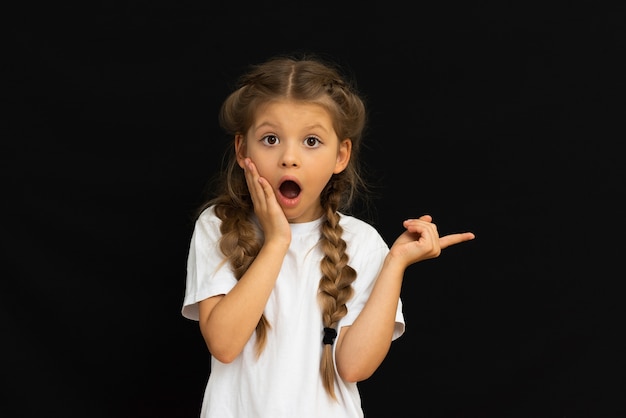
241,243
335,285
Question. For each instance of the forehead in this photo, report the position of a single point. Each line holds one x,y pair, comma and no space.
283,111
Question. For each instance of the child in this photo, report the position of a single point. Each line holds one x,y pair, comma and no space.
297,301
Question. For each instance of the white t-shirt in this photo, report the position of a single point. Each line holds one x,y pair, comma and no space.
284,382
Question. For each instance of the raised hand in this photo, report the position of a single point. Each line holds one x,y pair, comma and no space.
421,240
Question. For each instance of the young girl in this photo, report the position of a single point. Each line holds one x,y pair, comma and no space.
297,301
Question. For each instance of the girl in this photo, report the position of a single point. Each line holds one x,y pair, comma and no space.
297,301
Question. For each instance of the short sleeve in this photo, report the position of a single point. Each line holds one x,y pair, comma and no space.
367,254
208,272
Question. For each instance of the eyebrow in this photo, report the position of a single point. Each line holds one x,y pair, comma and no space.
308,127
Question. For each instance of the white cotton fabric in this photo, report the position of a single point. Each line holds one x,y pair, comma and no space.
285,381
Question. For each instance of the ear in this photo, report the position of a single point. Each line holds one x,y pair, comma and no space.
343,155
240,149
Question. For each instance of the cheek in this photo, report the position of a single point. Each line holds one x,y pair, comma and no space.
262,164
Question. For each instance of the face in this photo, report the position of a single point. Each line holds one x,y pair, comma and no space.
294,146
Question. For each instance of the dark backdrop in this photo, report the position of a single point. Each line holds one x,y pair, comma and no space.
500,120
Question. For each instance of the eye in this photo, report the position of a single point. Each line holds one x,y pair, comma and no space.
270,140
312,141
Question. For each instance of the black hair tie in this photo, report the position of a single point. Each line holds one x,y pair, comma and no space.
329,335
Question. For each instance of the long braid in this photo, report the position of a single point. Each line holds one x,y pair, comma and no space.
335,285
241,243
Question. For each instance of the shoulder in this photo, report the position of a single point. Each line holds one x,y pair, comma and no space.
356,229
353,223
208,217
207,222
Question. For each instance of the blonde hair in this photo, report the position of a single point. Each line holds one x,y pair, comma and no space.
312,80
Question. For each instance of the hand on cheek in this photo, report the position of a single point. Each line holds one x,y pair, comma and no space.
266,207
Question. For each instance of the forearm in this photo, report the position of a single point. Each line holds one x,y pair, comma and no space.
367,341
229,324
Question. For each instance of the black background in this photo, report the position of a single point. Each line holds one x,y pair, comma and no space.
502,120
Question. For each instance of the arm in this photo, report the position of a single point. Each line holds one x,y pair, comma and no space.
228,321
362,347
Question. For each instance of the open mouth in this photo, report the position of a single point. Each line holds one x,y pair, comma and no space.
289,189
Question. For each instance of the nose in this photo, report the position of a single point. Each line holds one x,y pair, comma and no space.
290,156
